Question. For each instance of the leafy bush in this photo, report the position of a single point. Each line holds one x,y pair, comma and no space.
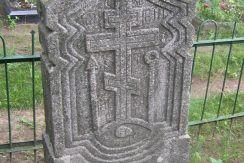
12,22
220,10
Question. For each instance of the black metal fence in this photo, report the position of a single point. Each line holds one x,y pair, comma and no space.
35,144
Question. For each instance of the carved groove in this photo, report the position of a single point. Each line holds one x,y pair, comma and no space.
108,54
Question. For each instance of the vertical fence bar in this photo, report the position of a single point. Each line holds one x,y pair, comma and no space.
33,91
8,97
237,93
195,53
225,75
209,73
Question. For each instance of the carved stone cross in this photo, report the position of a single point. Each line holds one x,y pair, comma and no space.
123,40
116,77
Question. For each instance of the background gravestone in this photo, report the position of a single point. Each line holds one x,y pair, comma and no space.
116,77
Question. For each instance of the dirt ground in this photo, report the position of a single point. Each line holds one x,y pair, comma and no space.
23,157
21,125
22,130
19,39
199,86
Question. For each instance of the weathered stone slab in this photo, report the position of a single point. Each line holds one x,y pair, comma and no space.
116,76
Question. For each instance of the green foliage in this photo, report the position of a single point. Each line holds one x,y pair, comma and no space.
12,22
220,10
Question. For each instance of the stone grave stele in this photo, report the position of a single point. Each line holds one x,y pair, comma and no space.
116,77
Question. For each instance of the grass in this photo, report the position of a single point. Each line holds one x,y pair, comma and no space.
204,54
203,58
226,145
212,104
20,86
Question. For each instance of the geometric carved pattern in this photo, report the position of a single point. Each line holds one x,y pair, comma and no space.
116,74
123,40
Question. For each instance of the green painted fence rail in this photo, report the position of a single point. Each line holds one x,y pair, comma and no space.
35,144
220,118
203,43
21,146
20,58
